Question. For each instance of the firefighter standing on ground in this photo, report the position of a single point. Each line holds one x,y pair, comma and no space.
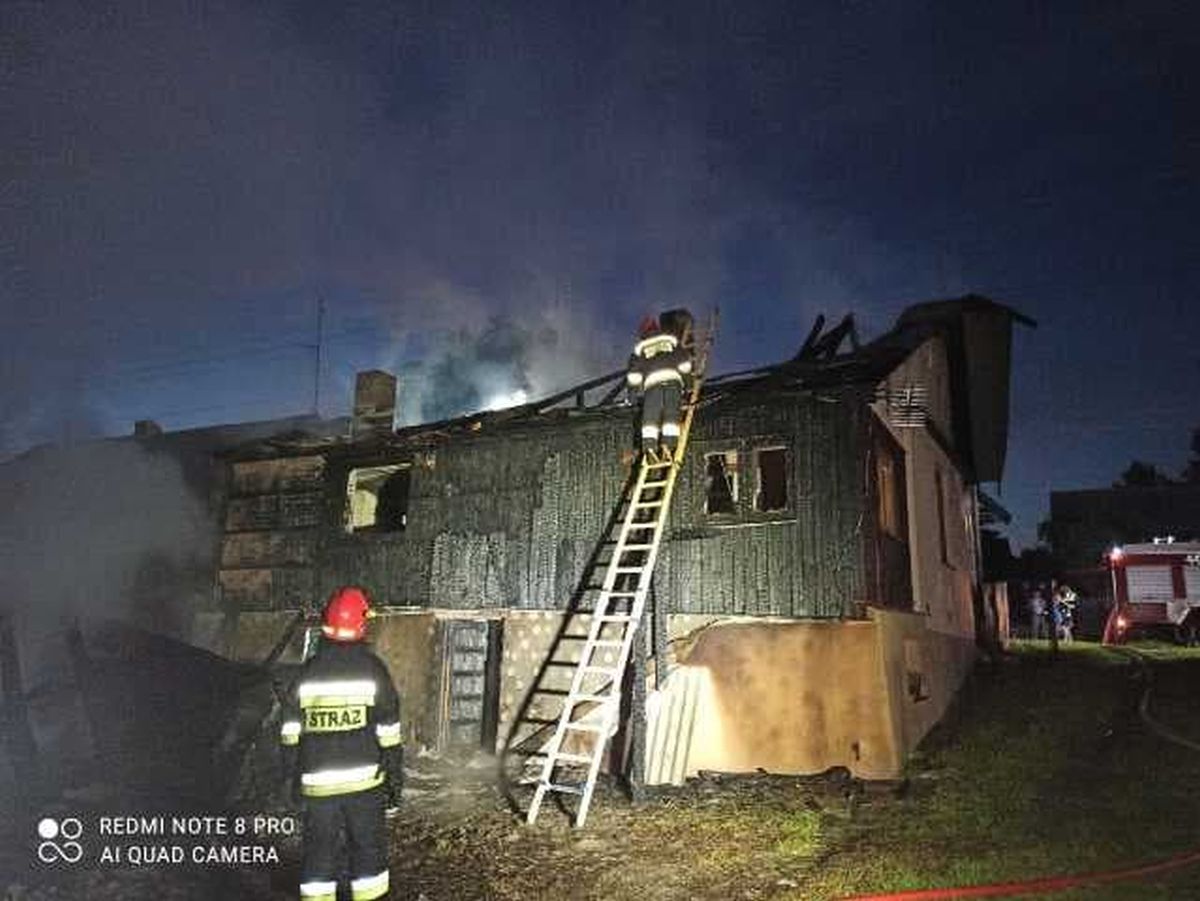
341,732
658,366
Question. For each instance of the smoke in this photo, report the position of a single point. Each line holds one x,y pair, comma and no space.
180,182
104,529
502,362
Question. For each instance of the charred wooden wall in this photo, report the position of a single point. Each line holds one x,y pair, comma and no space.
509,517
803,561
274,518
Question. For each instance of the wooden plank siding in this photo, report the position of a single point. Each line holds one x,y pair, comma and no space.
273,525
510,519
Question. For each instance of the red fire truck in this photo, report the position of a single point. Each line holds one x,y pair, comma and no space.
1156,588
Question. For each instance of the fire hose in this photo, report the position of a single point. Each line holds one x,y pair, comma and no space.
1061,883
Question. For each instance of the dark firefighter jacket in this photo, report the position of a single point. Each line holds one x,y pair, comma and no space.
343,714
656,360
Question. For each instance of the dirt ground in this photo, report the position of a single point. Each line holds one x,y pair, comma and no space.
719,837
457,838
1046,768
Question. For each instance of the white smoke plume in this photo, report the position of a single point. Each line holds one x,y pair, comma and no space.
99,530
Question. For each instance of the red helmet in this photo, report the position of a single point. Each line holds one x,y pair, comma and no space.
346,614
648,327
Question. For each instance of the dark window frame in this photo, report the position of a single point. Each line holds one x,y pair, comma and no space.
375,527
888,556
785,504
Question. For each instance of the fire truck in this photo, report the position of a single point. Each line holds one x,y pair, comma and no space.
1156,589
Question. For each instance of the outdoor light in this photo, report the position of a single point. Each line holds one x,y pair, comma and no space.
1116,554
1122,622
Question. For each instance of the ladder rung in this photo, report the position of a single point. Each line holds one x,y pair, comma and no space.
637,547
574,789
629,569
572,758
586,727
615,618
648,503
599,699
659,464
622,594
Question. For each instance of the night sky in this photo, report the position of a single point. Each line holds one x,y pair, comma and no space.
503,193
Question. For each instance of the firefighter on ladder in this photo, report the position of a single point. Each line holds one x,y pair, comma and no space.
657,367
342,743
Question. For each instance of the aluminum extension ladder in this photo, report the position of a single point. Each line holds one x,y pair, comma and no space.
619,609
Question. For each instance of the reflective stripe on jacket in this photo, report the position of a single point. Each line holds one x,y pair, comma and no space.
342,711
657,360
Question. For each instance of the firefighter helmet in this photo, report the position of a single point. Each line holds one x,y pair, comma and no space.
346,614
648,327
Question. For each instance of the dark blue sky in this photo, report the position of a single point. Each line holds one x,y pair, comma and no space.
180,186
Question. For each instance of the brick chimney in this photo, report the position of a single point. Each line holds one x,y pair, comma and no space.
374,403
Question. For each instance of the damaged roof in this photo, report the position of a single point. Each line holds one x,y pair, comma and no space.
976,329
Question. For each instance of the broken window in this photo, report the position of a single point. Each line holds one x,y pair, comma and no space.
720,475
377,498
772,480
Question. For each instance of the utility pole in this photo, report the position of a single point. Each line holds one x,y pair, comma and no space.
317,355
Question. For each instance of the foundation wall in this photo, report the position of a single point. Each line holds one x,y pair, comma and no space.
787,697
923,670
740,694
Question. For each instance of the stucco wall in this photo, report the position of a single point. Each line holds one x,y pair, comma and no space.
743,694
791,697
923,668
406,643
800,697
942,582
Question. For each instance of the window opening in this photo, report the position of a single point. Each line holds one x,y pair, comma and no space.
721,492
772,480
377,499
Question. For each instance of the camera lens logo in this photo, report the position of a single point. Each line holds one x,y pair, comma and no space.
59,840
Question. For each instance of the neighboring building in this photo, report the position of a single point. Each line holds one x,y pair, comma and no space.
815,601
1084,525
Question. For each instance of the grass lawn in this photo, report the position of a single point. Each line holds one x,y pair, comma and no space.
1046,770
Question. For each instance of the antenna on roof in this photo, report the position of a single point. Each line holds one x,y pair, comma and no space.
316,406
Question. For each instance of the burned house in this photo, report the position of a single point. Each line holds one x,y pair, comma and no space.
815,603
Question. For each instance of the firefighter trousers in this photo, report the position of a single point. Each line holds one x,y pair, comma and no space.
359,818
660,416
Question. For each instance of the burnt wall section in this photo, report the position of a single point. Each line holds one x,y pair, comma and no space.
273,525
803,560
498,520
509,518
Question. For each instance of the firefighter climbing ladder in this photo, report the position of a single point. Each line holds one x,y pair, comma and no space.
619,608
